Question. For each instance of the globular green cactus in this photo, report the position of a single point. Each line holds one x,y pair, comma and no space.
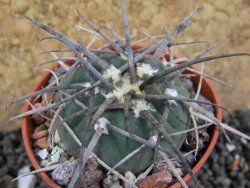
113,147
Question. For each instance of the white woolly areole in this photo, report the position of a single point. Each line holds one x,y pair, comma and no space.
126,87
96,90
141,105
153,139
145,69
171,92
101,124
113,73
87,84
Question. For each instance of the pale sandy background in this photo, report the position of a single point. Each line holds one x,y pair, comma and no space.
224,21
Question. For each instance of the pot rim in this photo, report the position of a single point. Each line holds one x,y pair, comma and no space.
209,92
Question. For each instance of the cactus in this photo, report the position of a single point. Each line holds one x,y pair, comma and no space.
112,148
120,106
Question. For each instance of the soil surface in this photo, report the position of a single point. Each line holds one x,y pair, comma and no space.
223,21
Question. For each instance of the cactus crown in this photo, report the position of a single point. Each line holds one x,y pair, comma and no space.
123,104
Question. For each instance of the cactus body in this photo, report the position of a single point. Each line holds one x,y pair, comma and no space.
112,147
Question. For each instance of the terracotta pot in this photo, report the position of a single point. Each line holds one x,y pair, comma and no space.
206,90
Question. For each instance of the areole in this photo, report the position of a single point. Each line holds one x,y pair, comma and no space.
206,90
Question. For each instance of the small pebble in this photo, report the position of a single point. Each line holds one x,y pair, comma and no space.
42,154
40,128
93,173
37,117
43,163
156,180
27,181
62,174
39,134
55,155
235,163
41,143
230,147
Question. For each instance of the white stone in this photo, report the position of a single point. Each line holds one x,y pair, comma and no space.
63,173
44,163
56,149
26,181
55,158
43,153
55,155
230,147
243,140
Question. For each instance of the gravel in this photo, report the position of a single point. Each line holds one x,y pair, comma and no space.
227,168
12,158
